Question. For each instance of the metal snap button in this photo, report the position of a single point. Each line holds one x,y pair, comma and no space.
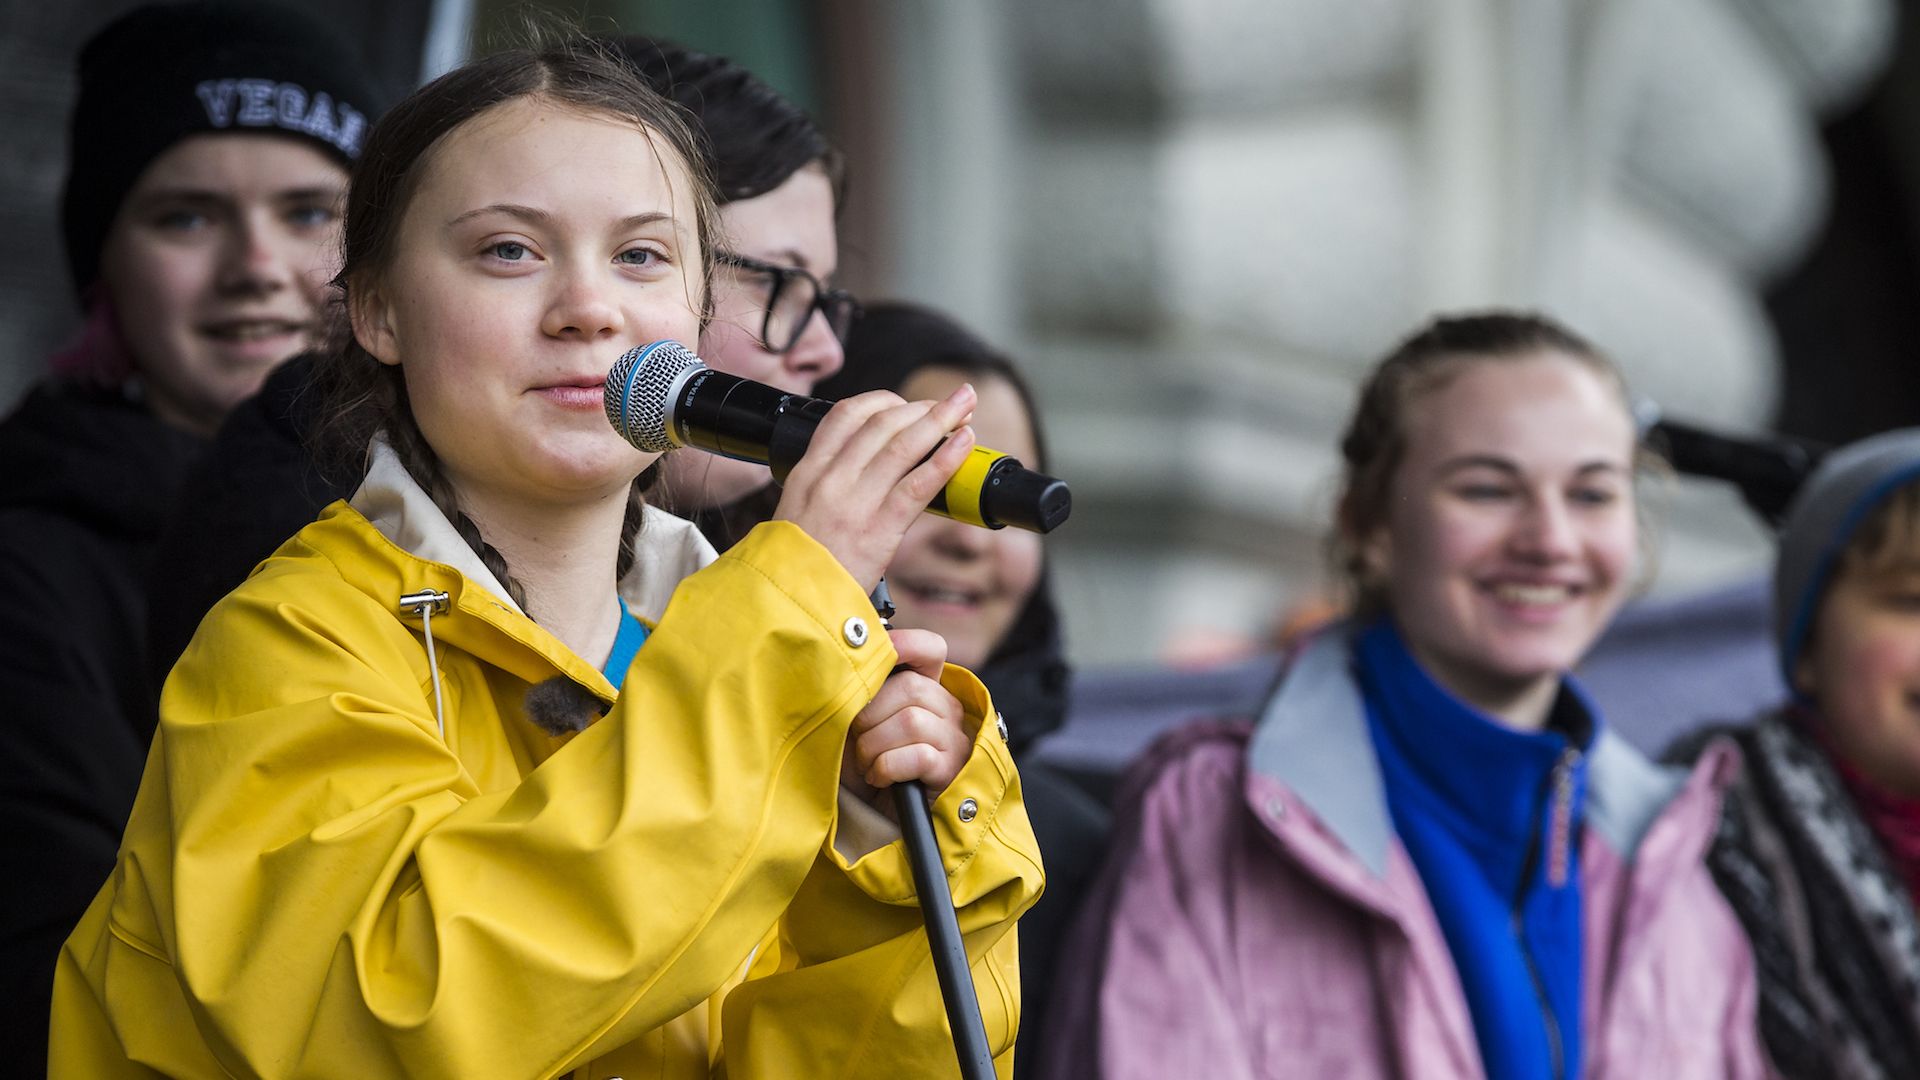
855,631
969,809
1000,725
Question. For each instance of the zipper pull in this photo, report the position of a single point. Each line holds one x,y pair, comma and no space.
1560,823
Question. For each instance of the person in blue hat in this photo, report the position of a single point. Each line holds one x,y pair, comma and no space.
1819,849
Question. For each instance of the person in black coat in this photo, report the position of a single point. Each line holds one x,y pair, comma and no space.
209,153
986,592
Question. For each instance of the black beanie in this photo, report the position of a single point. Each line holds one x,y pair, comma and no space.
167,71
892,340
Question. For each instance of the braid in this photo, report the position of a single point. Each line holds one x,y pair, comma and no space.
424,466
630,527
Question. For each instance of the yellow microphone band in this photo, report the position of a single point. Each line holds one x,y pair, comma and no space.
963,491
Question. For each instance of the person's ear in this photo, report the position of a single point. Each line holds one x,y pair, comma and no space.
1370,543
1804,682
1375,550
371,315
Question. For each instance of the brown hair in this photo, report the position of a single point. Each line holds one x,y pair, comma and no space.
1375,441
361,397
1889,534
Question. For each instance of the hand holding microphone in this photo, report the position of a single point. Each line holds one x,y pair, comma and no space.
660,396
871,467
856,474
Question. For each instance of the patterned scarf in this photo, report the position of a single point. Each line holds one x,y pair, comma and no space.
1831,920
1894,819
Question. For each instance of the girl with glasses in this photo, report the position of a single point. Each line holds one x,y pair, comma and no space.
776,319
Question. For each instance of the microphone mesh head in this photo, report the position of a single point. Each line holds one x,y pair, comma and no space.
638,389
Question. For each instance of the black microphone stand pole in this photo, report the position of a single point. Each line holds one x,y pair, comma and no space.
936,907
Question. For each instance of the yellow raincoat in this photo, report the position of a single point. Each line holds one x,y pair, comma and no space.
316,882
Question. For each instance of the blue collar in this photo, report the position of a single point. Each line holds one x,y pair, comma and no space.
1485,777
1312,738
626,645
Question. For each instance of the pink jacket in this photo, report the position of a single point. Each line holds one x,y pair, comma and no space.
1258,918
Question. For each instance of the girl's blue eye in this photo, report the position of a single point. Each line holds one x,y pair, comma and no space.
509,251
1594,497
180,220
310,217
639,256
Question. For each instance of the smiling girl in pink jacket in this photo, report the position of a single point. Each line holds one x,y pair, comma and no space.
1428,857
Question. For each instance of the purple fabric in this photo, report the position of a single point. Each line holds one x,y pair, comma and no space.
1665,667
1235,935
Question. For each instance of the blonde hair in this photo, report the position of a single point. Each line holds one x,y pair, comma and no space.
1888,536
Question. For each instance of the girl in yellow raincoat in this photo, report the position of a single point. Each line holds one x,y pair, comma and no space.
494,771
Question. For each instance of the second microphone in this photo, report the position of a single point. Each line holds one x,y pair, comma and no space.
660,396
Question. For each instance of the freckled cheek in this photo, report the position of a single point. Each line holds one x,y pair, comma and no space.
465,325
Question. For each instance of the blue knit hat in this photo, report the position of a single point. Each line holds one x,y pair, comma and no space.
1848,486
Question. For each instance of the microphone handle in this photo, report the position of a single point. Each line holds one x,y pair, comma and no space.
950,965
1767,472
948,949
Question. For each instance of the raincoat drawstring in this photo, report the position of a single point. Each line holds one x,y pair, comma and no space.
427,603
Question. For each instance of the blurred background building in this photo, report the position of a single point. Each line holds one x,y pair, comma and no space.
1199,221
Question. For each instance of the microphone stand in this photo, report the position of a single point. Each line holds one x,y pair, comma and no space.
936,907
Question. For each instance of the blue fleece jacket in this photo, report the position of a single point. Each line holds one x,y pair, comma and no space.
1491,819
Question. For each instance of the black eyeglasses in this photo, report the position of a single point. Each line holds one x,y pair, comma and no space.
793,296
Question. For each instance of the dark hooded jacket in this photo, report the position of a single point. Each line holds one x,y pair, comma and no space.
1027,671
87,477
257,486
1027,675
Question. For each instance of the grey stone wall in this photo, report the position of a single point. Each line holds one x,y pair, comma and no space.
1208,217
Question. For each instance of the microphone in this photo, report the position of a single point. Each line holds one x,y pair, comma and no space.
661,396
1768,471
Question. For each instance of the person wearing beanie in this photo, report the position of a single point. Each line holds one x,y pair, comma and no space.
209,152
987,593
778,183
1818,851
